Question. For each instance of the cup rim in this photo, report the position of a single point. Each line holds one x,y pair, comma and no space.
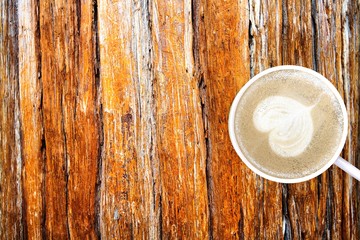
231,124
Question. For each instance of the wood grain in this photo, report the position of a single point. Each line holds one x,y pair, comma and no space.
119,198
10,151
33,143
147,163
70,118
82,122
327,34
301,199
225,63
266,51
179,125
54,76
350,74
129,204
114,118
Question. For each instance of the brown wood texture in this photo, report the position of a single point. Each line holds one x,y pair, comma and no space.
114,118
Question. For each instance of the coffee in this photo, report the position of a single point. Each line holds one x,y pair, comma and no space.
288,123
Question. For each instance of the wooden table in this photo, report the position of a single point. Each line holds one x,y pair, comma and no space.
114,118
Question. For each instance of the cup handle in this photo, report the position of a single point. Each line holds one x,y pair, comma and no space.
348,167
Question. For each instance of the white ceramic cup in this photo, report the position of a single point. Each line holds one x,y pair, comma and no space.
336,159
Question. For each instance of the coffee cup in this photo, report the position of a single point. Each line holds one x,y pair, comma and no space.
289,124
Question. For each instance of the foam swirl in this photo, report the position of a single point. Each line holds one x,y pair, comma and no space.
288,122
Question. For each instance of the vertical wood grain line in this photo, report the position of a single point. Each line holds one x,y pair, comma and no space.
287,228
198,51
53,72
225,63
81,121
265,26
350,74
11,214
314,34
302,201
179,125
17,121
41,107
130,184
118,121
146,137
327,55
31,119
99,114
323,184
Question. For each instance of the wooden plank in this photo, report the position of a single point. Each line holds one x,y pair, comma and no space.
225,62
147,160
129,203
327,25
70,121
333,194
325,63
301,199
54,75
81,119
31,119
118,169
338,44
179,126
266,51
350,11
10,148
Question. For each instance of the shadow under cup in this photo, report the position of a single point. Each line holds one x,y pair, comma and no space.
288,124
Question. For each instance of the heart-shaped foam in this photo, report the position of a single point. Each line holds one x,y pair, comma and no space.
288,122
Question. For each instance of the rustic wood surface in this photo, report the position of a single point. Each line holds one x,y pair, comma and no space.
114,118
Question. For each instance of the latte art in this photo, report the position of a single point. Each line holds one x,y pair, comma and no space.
288,122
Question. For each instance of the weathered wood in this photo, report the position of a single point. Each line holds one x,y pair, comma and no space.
10,152
266,51
74,128
53,76
129,204
326,196
33,144
147,161
179,126
301,199
225,63
350,55
114,118
81,120
327,49
118,191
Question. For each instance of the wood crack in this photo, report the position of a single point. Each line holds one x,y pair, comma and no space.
284,31
41,109
286,219
99,113
202,91
66,164
314,30
198,38
251,30
147,51
14,24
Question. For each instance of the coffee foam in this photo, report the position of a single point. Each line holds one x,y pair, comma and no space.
288,124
